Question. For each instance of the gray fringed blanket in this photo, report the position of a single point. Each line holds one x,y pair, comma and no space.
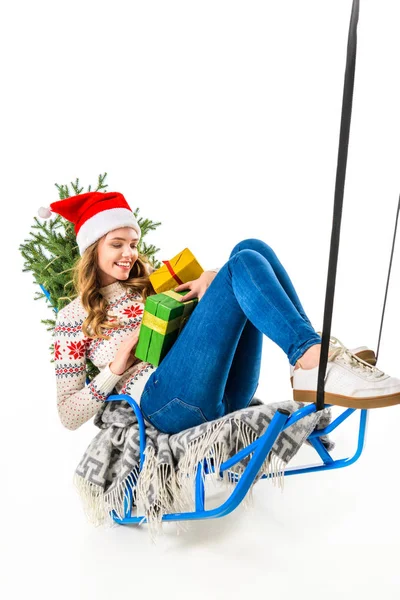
166,482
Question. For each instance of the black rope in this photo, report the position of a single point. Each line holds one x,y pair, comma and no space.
387,283
339,190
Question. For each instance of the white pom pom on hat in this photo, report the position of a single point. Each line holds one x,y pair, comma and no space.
44,212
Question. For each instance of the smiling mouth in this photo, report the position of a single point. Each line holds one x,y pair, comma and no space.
124,266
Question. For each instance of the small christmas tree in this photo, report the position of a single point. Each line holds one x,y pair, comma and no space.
51,253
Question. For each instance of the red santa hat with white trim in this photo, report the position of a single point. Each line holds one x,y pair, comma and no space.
94,214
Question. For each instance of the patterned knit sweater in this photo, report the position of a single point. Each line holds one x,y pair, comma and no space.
76,402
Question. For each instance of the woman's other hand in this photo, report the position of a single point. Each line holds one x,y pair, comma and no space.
197,287
125,356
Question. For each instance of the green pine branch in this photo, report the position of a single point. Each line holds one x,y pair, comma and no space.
51,250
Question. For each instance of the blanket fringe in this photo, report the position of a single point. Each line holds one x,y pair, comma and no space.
159,489
98,505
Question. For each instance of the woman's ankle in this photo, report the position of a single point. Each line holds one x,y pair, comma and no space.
310,358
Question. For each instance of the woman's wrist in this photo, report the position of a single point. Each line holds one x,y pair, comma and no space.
208,274
113,370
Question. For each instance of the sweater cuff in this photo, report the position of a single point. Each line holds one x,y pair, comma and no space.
106,380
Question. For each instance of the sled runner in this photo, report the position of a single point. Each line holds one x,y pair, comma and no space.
259,449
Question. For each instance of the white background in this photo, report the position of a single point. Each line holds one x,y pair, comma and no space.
221,120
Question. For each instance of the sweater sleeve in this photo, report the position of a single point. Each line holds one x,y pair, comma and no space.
76,401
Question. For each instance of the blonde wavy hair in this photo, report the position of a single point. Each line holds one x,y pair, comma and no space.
86,281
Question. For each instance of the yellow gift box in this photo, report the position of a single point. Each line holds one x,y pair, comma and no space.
182,268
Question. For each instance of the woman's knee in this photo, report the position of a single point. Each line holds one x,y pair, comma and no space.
253,244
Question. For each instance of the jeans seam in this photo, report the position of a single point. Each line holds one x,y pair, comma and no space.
183,403
192,407
303,348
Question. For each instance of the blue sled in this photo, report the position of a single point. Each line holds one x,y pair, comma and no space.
261,447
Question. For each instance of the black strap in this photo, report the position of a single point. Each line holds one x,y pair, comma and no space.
339,189
387,283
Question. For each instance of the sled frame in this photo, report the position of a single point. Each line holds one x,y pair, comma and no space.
259,449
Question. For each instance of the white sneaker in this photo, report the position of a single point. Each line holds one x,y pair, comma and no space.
350,381
362,352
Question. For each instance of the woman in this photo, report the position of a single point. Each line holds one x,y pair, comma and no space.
214,366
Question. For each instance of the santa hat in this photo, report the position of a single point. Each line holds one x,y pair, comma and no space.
94,214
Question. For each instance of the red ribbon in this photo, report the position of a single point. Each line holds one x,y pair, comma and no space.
171,270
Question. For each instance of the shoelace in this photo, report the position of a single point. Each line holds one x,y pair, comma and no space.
357,363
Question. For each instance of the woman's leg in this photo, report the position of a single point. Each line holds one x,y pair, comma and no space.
188,387
281,274
247,358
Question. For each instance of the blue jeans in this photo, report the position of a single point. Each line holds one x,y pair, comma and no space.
213,368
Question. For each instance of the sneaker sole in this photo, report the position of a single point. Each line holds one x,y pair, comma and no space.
348,401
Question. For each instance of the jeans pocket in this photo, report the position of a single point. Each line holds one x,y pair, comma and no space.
176,416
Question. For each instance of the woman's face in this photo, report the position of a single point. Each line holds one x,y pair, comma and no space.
116,254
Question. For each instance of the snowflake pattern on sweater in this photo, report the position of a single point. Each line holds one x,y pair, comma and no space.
76,401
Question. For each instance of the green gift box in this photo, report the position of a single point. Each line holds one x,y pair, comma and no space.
164,317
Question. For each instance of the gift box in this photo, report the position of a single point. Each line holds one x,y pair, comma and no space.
182,268
164,317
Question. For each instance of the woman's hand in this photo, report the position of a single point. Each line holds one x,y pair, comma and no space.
197,287
125,356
